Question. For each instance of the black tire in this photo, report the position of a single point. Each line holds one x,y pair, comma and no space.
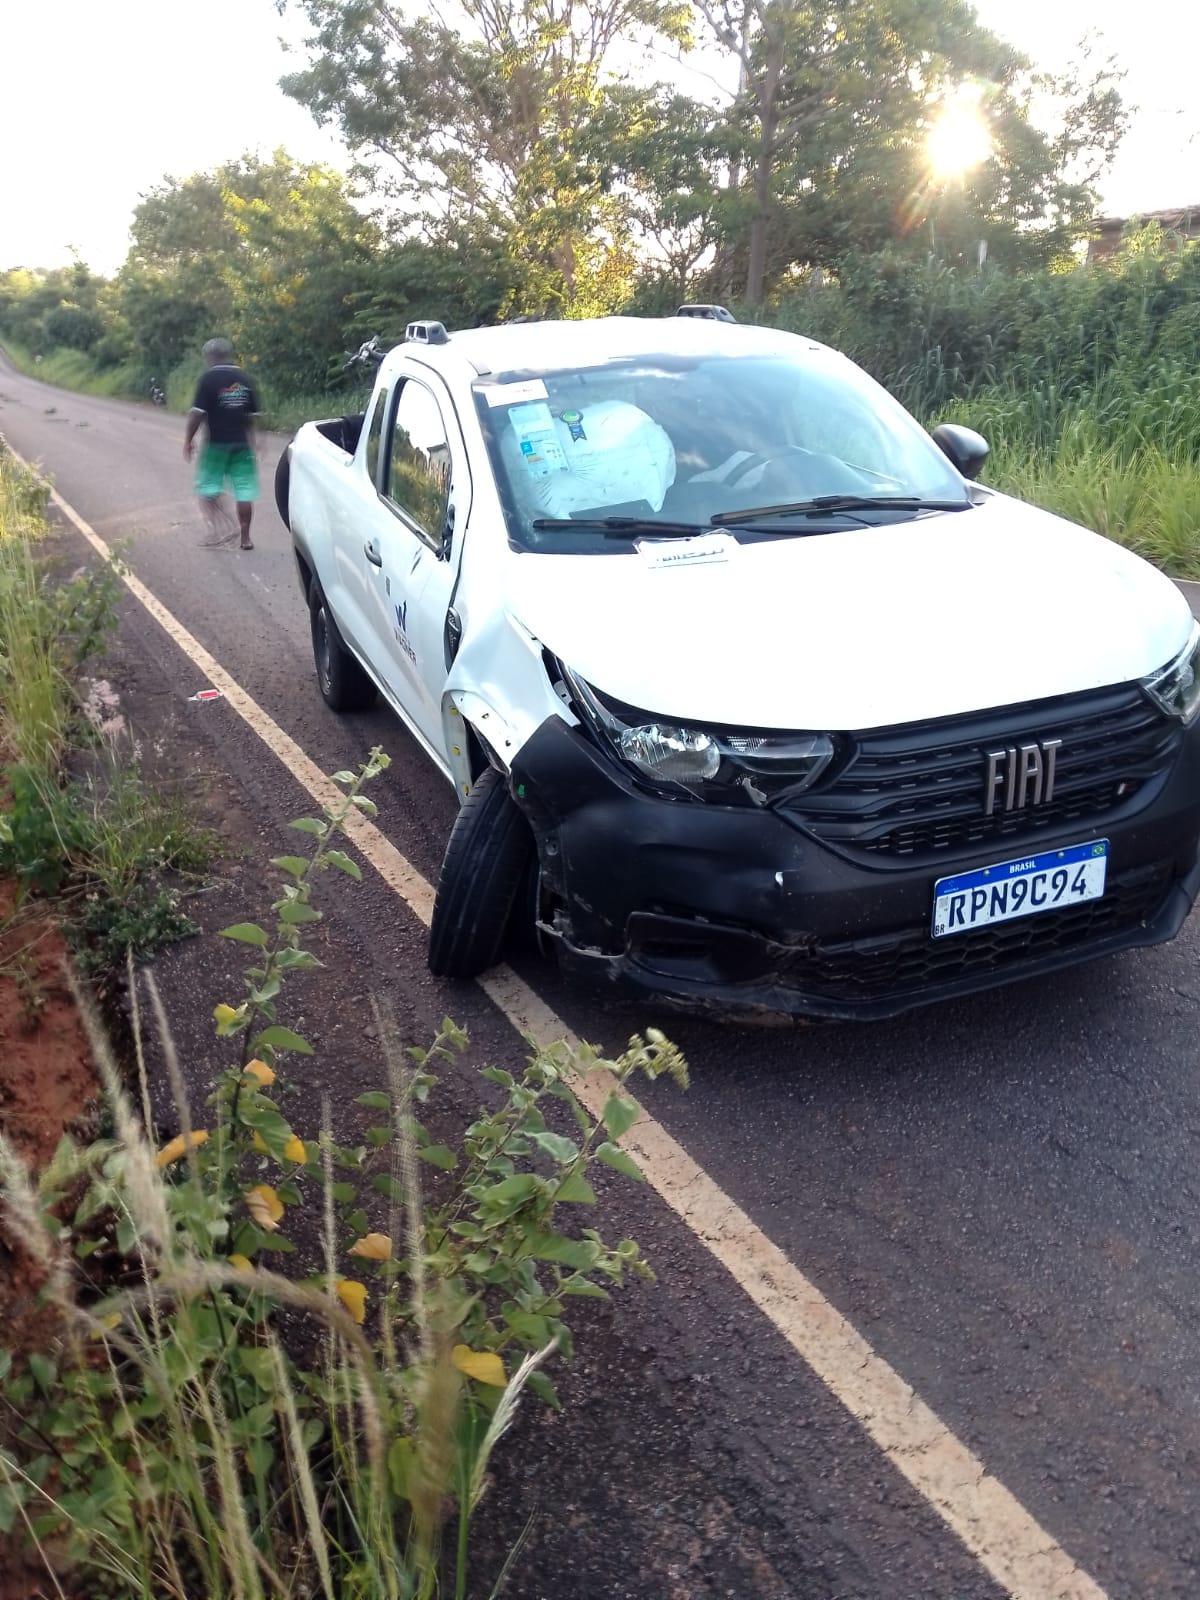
482,874
343,684
283,483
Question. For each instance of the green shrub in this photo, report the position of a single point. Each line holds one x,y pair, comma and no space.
208,1425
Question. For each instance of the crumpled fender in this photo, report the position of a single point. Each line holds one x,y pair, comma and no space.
499,687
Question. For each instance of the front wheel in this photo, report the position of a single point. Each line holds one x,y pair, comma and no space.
342,681
484,868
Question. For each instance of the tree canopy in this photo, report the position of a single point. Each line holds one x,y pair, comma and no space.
536,125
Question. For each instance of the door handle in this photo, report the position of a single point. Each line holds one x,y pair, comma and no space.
371,551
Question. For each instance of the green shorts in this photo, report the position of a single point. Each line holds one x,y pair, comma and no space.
233,461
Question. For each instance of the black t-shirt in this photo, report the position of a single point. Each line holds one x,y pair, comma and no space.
228,398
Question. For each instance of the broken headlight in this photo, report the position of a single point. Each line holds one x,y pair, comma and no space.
718,764
1177,687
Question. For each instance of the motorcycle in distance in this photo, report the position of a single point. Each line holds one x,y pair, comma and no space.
158,396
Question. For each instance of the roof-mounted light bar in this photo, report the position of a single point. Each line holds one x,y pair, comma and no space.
709,313
426,333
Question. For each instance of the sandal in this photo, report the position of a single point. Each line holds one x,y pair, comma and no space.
246,545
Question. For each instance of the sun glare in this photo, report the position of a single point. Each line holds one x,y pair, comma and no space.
959,139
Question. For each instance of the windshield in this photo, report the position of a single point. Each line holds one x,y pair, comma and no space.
686,439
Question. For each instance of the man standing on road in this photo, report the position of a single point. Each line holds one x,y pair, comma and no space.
227,400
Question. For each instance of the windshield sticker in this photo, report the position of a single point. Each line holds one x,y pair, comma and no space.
506,394
702,551
538,440
574,422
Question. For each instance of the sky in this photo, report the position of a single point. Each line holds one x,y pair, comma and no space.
101,100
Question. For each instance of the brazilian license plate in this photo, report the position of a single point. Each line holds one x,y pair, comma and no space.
1021,888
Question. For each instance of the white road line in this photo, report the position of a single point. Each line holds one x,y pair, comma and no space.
993,1525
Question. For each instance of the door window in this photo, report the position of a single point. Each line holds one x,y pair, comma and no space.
375,435
418,468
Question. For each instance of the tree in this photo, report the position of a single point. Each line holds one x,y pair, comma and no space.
500,119
274,254
833,105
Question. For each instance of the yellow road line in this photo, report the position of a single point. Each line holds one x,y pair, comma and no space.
993,1525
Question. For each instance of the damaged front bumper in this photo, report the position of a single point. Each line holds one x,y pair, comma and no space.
738,912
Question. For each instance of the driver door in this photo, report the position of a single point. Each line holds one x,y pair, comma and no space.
415,555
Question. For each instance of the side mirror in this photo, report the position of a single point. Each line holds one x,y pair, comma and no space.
967,449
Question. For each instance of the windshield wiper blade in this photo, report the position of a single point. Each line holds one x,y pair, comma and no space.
823,504
622,527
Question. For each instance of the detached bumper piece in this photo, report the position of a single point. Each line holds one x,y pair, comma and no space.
740,911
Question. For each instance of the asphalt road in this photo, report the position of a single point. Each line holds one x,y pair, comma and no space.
1000,1194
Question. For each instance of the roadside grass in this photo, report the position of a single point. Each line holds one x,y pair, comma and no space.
283,412
1138,484
78,825
204,1424
75,369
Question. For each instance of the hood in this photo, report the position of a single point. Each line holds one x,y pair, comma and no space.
863,628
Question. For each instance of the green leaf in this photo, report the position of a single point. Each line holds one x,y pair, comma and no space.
584,1290
528,1325
378,1137
438,1155
544,1389
257,1364
620,1161
287,960
383,1183
497,1075
44,1371
578,1254
342,777
294,912
297,866
259,1456
619,1114
272,1128
577,1189
555,1146
245,933
311,825
367,807
8,1509
511,1191
376,1100
340,860
278,1038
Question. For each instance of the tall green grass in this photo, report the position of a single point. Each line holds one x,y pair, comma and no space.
75,369
36,698
1086,383
283,411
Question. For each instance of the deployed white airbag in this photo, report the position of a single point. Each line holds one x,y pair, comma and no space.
610,454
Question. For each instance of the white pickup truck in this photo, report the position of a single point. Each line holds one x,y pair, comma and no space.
753,698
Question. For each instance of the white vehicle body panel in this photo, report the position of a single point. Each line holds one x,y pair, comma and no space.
875,626
861,629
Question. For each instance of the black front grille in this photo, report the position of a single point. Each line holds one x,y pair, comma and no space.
906,962
920,790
